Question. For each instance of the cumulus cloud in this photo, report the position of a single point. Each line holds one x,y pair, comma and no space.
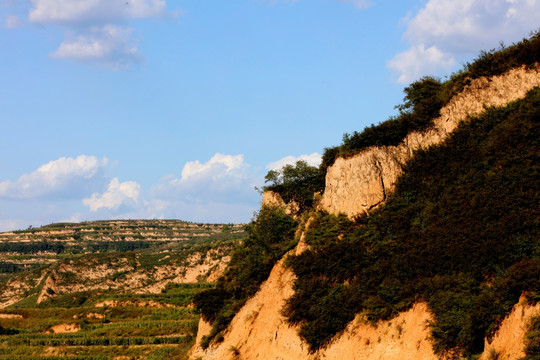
418,60
312,159
56,176
117,194
94,11
223,178
110,46
446,30
97,31
219,165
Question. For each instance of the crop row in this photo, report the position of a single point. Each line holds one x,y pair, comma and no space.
93,341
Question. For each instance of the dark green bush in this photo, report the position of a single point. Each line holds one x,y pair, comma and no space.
532,348
296,183
425,97
461,232
270,236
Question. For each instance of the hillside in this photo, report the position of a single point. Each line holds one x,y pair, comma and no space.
136,255
421,242
107,289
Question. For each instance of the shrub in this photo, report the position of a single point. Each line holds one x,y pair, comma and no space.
460,232
296,183
424,99
270,236
532,344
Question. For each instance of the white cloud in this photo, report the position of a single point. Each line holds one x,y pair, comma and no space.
418,61
223,178
218,190
218,165
98,31
116,194
445,30
110,46
312,159
94,11
54,177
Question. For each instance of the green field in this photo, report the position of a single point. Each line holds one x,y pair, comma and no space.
95,325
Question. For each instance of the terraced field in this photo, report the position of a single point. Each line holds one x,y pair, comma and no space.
95,325
107,289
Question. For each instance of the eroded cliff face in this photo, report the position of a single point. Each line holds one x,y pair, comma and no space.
360,183
355,186
260,331
271,198
508,342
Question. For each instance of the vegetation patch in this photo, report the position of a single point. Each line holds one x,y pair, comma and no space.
103,332
296,184
532,343
425,97
461,232
270,236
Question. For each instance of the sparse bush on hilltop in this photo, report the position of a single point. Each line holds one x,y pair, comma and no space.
296,183
424,99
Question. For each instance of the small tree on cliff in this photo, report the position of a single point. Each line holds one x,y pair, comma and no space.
298,183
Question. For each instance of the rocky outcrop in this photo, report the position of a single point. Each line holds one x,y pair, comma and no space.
259,331
273,199
49,288
358,184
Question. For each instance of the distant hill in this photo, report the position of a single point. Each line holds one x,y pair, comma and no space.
108,254
107,289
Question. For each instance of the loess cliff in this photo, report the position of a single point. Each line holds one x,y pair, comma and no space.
358,184
355,186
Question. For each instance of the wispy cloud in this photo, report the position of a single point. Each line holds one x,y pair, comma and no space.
13,22
359,4
80,12
444,31
110,46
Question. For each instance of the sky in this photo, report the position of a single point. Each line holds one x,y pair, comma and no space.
176,109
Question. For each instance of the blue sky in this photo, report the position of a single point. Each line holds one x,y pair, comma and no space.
177,109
